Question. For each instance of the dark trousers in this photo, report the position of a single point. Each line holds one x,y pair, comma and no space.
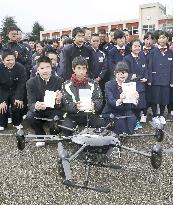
16,114
37,124
71,121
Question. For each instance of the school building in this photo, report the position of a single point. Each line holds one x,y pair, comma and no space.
151,17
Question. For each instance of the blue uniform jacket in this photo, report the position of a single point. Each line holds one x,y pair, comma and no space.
138,67
160,67
112,94
114,57
99,63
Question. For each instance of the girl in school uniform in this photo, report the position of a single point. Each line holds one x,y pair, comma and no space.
160,76
138,72
125,118
146,49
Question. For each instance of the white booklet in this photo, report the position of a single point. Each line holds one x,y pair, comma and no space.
85,96
129,89
49,98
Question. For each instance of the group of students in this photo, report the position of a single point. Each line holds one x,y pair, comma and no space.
87,62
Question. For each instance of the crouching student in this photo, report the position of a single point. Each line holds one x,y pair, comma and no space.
39,106
125,119
81,97
12,89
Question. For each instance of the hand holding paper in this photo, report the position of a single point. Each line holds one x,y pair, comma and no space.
49,98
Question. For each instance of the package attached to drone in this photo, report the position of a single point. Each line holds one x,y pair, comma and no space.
85,96
49,98
129,89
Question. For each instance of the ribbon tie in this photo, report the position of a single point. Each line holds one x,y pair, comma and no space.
121,51
162,50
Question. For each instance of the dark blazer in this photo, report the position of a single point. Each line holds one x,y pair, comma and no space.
36,88
160,67
12,82
112,94
69,53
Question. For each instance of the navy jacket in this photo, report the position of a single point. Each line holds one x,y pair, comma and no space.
107,47
99,63
69,53
12,82
138,67
112,94
114,57
160,67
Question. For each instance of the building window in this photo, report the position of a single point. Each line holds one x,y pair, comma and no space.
148,28
166,27
133,30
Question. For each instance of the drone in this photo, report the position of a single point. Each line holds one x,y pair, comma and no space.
96,146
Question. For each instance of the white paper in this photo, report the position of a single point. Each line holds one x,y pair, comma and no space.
129,89
49,98
85,96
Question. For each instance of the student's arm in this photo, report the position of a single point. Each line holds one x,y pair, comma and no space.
20,89
112,101
150,67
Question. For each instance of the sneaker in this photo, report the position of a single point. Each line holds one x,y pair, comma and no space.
40,144
9,120
2,128
155,122
138,126
162,120
143,118
18,127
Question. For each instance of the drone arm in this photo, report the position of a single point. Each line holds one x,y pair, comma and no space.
73,157
136,151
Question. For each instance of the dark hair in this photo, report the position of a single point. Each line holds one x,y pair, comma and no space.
64,35
85,28
77,30
52,51
7,52
163,33
148,34
68,41
121,67
79,61
43,59
135,40
94,34
119,34
102,31
12,28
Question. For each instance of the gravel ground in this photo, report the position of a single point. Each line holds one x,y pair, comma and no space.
30,177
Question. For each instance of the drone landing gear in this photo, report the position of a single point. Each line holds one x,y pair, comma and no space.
65,170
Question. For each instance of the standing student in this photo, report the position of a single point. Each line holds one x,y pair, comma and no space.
160,76
100,61
108,46
103,35
74,50
12,89
138,72
117,53
146,49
